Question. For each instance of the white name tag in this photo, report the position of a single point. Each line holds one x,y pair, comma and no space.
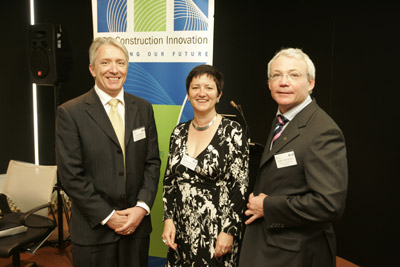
139,134
189,162
285,159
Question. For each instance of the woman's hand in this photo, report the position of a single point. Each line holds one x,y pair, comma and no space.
168,234
224,244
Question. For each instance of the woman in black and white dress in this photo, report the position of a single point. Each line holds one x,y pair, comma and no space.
206,180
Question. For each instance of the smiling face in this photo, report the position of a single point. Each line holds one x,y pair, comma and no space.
109,69
203,94
288,82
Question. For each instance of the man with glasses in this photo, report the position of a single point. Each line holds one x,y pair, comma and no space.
302,180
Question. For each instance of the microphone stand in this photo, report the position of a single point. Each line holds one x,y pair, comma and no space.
239,108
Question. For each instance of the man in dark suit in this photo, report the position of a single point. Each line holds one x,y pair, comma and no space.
302,180
109,166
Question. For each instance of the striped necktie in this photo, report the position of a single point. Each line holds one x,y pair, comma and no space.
278,127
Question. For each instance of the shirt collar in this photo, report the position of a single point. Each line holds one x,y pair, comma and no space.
104,97
291,113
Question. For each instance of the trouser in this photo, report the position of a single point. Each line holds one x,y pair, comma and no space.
125,252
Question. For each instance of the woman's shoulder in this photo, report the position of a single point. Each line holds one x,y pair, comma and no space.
231,124
182,126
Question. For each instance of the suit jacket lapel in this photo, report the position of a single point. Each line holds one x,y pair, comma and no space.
290,132
269,139
96,111
131,111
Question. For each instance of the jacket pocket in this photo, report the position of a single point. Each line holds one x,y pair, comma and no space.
284,242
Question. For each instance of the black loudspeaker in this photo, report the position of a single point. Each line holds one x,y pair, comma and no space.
49,54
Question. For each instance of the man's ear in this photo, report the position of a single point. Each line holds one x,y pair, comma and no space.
91,69
311,85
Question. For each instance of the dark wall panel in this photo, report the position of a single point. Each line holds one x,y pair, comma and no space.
76,23
76,19
247,38
364,104
16,131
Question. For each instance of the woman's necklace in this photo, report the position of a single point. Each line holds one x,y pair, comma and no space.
203,128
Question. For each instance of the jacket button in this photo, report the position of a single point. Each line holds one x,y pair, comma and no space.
121,173
122,196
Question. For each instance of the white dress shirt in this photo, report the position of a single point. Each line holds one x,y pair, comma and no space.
105,98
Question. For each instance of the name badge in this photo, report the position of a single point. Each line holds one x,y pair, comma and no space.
139,134
189,162
285,159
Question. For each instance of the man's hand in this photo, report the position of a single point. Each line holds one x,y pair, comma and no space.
116,221
255,207
134,217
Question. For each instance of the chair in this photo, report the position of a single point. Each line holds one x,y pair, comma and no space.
28,188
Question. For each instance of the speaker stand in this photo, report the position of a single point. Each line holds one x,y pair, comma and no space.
61,207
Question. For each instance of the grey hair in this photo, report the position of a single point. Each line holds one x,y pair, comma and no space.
295,53
99,41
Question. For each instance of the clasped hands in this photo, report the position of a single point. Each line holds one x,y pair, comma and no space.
125,222
223,245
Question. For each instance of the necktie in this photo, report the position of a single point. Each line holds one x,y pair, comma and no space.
117,123
278,127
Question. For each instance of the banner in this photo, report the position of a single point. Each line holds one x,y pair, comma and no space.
165,40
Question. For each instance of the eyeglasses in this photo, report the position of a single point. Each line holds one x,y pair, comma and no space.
292,76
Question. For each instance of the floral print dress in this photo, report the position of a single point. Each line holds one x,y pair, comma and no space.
208,199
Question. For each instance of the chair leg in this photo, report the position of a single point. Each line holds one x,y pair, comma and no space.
16,259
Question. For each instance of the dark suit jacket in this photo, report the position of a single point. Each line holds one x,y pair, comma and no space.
302,199
91,167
